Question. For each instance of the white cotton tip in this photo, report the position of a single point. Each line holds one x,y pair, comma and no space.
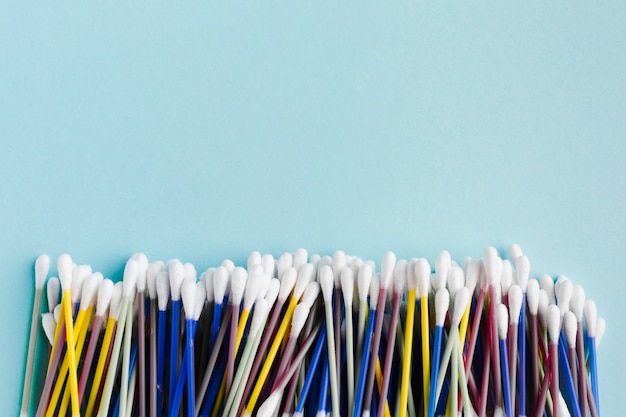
256,281
600,329
493,266
254,259
89,290
163,289
374,289
591,317
52,289
532,296
129,282
65,267
287,282
49,326
301,282
422,273
564,295
338,263
386,270
116,301
269,265
238,285
554,323
268,408
200,300
284,262
577,303
363,281
261,309
455,280
105,293
570,325
498,412
142,264
220,282
442,303
438,281
229,265
311,293
460,304
272,291
299,258
190,271
347,285
522,271
506,278
411,276
300,314
81,272
208,284
547,284
177,274
187,291
515,303
327,283
400,277
42,266
306,273
472,274
515,252
57,313
315,260
443,264
502,321
151,273
543,305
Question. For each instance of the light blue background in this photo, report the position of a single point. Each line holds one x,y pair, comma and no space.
207,132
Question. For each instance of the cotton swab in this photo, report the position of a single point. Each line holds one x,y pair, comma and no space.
386,276
347,285
163,296
103,358
176,274
338,263
493,271
142,261
415,269
502,319
570,328
522,271
591,317
42,265
554,327
128,289
105,293
327,284
300,314
577,305
220,283
151,279
65,266
238,281
442,302
532,296
423,284
459,303
188,298
515,306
